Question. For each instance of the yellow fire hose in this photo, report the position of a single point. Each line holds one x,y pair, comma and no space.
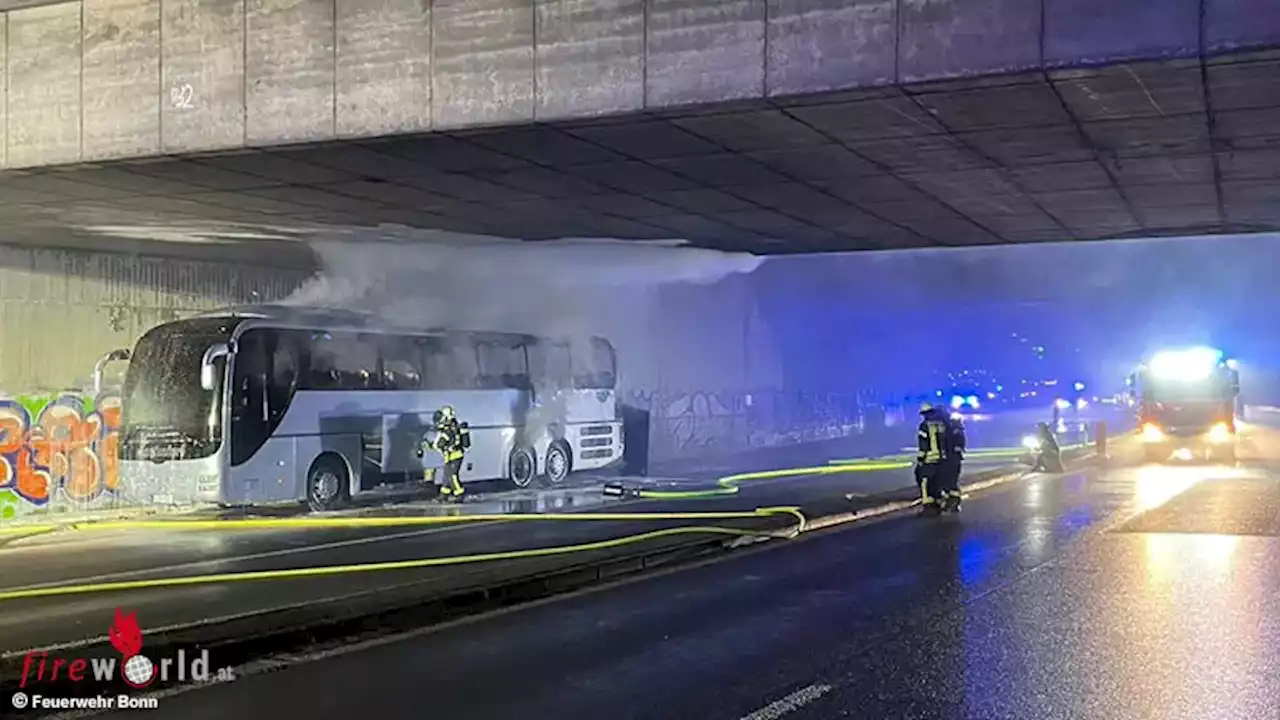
725,486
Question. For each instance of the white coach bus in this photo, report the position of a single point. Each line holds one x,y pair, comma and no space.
270,404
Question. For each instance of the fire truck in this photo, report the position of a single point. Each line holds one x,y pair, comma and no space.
1186,401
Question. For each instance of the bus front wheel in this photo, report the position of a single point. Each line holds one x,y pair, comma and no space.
328,483
522,467
559,463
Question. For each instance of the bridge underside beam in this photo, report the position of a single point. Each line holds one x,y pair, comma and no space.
1141,149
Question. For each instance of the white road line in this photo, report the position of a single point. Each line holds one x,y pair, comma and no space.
790,703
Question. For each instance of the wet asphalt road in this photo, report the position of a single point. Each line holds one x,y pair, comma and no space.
99,556
1134,592
143,554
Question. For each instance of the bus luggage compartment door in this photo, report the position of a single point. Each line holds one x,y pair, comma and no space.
400,441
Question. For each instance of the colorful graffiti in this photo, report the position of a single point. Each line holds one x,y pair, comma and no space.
57,447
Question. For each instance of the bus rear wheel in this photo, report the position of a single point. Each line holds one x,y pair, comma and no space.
522,467
328,484
559,463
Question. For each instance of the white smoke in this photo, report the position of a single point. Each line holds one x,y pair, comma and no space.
571,287
568,289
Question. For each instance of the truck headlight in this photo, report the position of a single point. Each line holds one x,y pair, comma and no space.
1151,433
1220,433
1031,442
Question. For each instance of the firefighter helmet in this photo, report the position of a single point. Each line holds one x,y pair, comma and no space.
444,414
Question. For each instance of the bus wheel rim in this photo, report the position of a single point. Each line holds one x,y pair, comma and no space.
326,487
557,463
521,471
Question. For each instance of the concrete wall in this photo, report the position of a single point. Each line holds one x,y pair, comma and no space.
61,310
703,363
100,79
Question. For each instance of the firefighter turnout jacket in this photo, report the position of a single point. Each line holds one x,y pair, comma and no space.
941,438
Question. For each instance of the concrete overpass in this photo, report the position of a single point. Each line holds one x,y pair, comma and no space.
773,126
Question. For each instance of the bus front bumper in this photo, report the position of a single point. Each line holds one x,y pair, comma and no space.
176,482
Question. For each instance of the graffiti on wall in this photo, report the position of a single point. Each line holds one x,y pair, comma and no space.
57,449
692,423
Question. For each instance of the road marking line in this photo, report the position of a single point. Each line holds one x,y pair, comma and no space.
790,703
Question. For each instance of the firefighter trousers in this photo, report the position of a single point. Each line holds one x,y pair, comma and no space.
450,482
938,481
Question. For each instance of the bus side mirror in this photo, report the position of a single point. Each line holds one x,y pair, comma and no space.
119,354
209,367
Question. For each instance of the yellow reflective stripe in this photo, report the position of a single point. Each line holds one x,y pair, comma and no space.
934,452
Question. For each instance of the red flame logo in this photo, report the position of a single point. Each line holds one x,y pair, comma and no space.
125,634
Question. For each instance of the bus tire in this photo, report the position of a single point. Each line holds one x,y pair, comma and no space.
559,463
522,467
328,483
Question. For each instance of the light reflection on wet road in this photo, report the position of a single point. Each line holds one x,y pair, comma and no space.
1133,592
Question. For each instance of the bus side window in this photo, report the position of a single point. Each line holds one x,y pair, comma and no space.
490,366
594,365
249,392
465,365
502,366
285,363
322,371
550,363
448,365
401,363
250,421
359,363
517,368
344,361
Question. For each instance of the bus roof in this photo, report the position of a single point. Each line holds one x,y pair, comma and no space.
344,319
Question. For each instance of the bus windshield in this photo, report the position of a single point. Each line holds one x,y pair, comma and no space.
164,403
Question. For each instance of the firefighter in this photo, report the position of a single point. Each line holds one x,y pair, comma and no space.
941,446
452,440
1048,455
